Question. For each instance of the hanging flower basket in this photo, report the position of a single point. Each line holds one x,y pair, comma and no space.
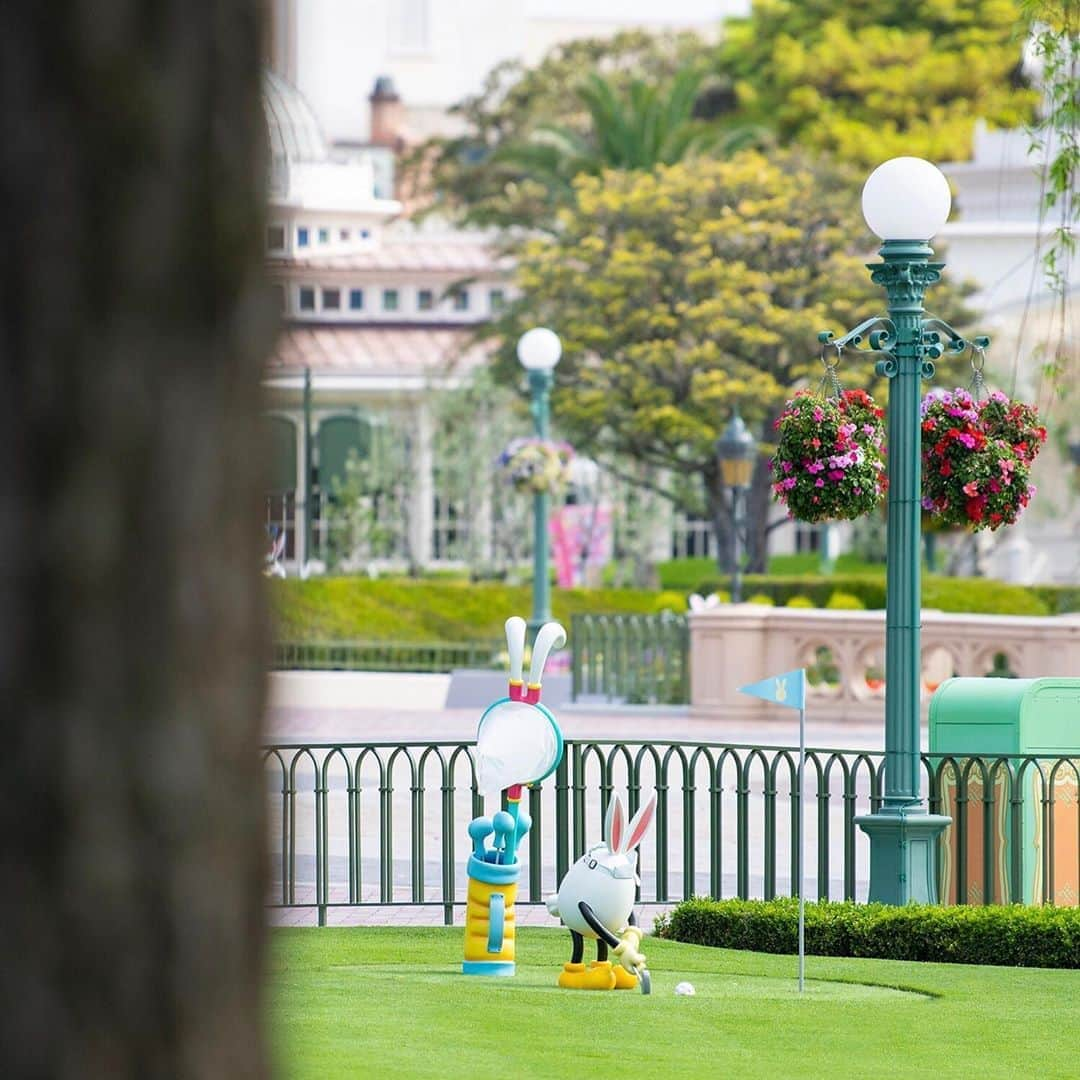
829,463
977,457
536,466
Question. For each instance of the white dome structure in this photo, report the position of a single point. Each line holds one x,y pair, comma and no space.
292,128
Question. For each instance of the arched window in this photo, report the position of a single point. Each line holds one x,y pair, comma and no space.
337,436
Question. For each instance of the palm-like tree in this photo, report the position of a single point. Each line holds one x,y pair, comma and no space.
643,128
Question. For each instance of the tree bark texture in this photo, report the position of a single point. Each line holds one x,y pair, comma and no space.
133,323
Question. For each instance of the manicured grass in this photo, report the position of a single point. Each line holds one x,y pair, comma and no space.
390,1002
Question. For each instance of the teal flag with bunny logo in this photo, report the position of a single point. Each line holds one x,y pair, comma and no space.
788,689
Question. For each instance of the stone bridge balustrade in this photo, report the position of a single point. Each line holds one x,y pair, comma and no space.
844,654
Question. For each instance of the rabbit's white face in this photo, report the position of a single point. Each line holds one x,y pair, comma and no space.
605,877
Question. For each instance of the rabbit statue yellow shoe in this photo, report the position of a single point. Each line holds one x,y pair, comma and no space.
596,900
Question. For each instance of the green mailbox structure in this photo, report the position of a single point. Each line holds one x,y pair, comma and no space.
1006,753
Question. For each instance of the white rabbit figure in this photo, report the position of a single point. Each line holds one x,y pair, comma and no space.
596,900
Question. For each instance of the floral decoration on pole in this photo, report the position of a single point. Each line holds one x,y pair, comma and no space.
536,466
977,458
829,462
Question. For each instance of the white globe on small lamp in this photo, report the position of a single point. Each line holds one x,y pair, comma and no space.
539,349
906,198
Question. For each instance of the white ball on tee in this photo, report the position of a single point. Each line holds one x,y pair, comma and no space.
685,989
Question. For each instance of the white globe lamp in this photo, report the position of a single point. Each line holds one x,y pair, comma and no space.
539,349
906,198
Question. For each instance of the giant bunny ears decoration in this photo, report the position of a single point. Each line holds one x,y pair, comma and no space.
551,636
620,837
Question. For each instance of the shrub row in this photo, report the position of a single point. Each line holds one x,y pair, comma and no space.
394,609
979,595
1013,936
402,610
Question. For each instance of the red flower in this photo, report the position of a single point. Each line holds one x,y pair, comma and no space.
945,470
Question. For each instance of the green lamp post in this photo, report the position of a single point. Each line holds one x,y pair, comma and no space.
905,201
736,451
538,351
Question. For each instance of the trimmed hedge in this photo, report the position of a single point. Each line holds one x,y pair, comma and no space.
980,595
1012,936
401,610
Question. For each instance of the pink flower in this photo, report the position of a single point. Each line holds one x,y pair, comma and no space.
819,482
819,415
786,466
971,488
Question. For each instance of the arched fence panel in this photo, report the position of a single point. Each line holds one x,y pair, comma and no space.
368,824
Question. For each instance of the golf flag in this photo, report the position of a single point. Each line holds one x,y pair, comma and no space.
788,689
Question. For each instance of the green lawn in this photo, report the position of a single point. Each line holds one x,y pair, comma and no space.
390,1002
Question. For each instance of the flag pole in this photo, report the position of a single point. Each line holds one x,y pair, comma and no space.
802,849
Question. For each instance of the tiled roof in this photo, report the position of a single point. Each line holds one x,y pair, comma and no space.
457,257
377,350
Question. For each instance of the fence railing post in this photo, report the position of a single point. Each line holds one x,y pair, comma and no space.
1013,795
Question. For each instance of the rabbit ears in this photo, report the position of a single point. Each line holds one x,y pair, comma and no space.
551,636
621,837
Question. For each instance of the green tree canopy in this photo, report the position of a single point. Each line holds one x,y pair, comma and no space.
647,125
684,290
864,81
475,177
869,79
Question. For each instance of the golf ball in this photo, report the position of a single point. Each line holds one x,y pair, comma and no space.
685,989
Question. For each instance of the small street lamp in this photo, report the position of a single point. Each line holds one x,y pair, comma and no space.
905,202
538,351
736,450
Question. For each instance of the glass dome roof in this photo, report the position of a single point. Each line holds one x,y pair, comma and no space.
292,126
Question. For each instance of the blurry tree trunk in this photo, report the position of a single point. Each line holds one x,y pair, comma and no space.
132,631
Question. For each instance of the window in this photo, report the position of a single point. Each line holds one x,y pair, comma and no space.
275,237
461,300
324,236
364,234
356,299
390,299
344,235
302,237
331,299
425,299
307,298
497,299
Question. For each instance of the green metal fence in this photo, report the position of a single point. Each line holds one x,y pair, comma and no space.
381,823
432,656
634,659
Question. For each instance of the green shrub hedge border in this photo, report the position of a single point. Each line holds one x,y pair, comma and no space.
1010,936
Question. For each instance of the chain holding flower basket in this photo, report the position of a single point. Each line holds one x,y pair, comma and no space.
536,466
829,463
977,455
